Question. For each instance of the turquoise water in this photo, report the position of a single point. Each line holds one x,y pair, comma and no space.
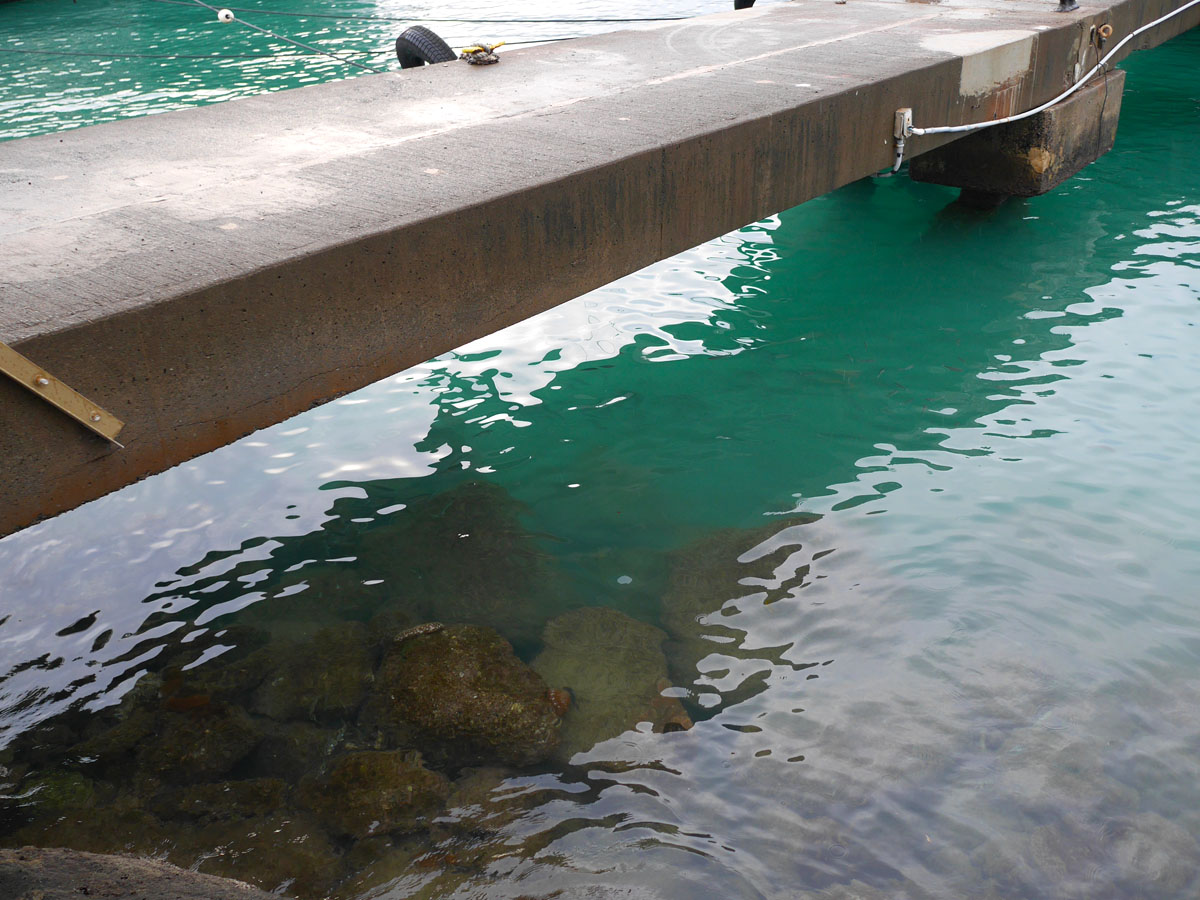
975,675
63,65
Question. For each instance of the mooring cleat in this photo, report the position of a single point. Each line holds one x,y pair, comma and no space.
481,54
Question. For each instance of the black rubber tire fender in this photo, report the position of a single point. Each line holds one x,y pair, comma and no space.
418,45
742,4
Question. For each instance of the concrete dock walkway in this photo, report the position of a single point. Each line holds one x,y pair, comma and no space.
208,272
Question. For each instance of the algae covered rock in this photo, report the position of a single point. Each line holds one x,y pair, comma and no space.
221,800
376,865
483,803
201,745
114,743
285,853
59,790
615,671
122,828
388,622
463,687
178,727
471,840
47,796
227,679
321,679
375,792
290,750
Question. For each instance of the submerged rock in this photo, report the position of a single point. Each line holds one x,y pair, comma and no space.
59,791
236,829
222,648
198,746
227,680
1041,774
375,792
41,798
481,804
615,671
464,688
322,679
855,890
183,738
113,746
468,843
464,557
709,577
285,853
225,800
316,596
388,622
1139,856
175,705
377,862
290,750
1153,857
121,828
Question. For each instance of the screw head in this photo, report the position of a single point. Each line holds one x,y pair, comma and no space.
41,381
95,417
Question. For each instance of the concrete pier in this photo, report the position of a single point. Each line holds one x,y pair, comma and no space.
1034,155
205,273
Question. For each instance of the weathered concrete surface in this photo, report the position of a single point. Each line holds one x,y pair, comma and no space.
35,874
208,272
1034,155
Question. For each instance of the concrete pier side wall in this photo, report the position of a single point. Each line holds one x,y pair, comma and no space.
205,273
1033,155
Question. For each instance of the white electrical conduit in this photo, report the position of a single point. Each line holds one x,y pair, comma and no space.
975,126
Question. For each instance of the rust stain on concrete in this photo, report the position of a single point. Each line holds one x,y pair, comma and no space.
1040,159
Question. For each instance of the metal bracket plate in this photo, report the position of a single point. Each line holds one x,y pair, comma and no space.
28,374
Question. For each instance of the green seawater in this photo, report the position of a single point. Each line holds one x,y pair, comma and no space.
68,64
913,489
